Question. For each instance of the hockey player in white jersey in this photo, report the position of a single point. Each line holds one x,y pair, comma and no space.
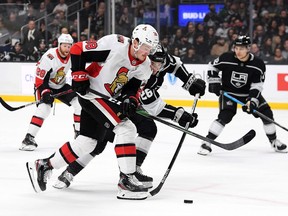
122,64
50,79
161,63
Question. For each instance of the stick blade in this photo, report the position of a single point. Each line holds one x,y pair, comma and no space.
249,136
7,106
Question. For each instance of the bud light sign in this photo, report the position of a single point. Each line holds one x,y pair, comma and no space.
194,13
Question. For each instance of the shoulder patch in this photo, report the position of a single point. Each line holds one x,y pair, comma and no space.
50,56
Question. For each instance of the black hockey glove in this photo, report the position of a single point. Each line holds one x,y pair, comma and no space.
194,85
182,118
129,106
80,82
46,96
215,88
251,104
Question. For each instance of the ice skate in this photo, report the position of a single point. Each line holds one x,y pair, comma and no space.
130,188
279,146
39,172
64,180
147,181
28,144
205,149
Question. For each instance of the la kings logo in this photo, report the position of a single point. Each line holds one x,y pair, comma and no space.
239,79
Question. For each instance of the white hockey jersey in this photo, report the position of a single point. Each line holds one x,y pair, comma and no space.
112,67
52,70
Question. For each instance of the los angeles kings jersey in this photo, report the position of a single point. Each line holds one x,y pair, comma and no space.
150,98
52,69
112,64
239,78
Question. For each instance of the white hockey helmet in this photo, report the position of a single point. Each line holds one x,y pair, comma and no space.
65,38
146,34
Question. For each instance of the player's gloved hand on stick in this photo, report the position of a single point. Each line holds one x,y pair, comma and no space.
129,106
80,82
251,104
194,86
215,88
46,96
182,118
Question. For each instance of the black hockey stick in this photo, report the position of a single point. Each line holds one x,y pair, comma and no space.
10,108
228,146
158,188
255,111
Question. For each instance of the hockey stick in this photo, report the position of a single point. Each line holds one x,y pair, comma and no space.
229,146
255,111
158,188
10,108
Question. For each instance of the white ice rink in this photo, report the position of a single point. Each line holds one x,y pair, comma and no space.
250,181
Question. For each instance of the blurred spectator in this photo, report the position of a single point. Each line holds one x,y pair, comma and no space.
31,38
176,37
223,29
201,46
175,51
212,19
13,24
211,38
99,17
259,35
273,8
49,6
4,33
42,48
61,6
220,47
31,14
277,58
266,48
183,45
85,14
165,43
190,31
285,49
191,57
139,12
283,17
125,22
256,51
43,30
16,55
272,28
282,32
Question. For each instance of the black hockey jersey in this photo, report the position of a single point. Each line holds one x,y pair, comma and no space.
150,98
239,78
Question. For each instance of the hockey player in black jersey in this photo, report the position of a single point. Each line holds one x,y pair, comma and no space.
243,75
150,100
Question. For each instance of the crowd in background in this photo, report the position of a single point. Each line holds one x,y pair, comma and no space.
23,39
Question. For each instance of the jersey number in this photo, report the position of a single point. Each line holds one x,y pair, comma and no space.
146,93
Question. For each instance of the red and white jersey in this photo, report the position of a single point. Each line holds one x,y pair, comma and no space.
112,63
52,69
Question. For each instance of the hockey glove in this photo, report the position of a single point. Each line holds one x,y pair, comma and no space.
129,106
46,96
194,85
182,118
80,82
251,104
215,88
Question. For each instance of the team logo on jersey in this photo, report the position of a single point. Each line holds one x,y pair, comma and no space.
60,75
50,56
238,79
117,84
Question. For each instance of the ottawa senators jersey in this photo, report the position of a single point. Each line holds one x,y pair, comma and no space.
239,78
52,69
112,64
150,98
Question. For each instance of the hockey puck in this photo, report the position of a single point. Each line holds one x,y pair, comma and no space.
188,201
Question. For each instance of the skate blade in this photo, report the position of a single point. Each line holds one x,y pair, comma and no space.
129,195
27,147
59,185
31,171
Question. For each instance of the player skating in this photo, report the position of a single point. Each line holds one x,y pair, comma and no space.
50,79
162,63
243,76
121,64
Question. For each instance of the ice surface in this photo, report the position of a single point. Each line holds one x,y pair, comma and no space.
248,181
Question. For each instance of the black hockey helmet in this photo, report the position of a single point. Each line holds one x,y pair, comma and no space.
159,55
242,40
